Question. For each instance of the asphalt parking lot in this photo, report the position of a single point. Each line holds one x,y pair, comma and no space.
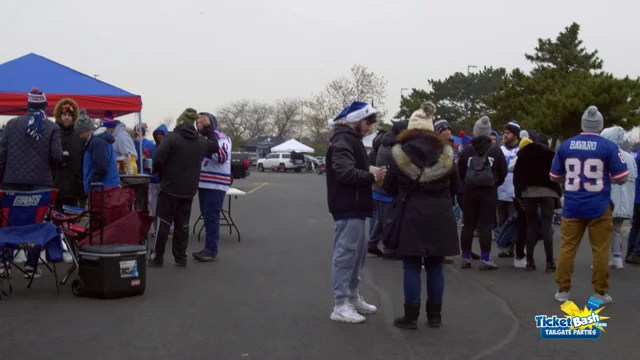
269,297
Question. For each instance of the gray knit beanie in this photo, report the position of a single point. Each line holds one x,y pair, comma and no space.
482,127
84,123
592,121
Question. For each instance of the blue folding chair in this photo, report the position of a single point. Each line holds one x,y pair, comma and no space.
24,226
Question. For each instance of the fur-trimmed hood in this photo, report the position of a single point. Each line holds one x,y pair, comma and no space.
418,149
57,111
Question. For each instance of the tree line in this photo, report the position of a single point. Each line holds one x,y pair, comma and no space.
551,98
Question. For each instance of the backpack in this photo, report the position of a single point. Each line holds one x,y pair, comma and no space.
479,173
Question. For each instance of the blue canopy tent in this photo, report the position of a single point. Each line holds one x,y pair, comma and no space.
19,76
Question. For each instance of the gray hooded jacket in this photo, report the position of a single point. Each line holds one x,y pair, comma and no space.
622,195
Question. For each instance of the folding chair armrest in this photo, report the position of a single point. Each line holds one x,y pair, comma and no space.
59,218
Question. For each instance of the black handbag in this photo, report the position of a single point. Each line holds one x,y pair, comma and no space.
393,223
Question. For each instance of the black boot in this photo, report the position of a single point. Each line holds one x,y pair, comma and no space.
410,319
434,316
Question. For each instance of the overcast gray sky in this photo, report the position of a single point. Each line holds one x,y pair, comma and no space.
202,54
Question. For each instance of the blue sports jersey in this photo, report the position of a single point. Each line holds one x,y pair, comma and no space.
588,163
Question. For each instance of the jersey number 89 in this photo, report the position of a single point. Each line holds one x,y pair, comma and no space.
591,169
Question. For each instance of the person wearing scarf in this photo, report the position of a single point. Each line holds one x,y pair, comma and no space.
29,149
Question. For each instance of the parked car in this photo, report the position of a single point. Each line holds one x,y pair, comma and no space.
321,166
253,159
239,165
285,161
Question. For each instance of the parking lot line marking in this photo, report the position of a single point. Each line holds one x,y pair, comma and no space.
256,188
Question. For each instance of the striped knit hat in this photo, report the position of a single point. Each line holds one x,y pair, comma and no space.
108,121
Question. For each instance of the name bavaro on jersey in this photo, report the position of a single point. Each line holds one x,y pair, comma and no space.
583,145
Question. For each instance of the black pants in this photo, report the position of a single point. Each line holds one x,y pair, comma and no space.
522,228
478,208
177,211
546,205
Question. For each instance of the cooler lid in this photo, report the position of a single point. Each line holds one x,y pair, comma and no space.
113,249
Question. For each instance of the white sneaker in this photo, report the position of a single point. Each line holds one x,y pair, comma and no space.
606,298
29,271
562,296
520,263
346,313
362,307
616,263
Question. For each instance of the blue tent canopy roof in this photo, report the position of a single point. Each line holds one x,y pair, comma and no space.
32,70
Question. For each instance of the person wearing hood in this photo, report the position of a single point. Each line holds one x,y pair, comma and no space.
123,144
99,163
350,200
382,201
178,160
30,148
67,176
154,187
533,135
494,136
215,179
423,177
482,168
633,242
535,189
622,196
148,147
587,164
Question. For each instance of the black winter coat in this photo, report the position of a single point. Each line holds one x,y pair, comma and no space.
478,147
67,177
349,181
532,169
178,160
428,226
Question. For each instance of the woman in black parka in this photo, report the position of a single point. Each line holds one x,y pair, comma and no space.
424,174
67,176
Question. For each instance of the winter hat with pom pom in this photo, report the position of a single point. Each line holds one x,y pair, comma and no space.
84,123
423,118
592,121
482,127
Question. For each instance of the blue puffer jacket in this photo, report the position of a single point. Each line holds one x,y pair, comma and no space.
155,178
100,163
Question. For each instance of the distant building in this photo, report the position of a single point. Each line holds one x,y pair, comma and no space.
262,145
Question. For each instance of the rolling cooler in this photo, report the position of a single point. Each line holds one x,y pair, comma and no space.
110,271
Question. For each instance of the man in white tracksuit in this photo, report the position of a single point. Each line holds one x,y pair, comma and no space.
215,179
506,191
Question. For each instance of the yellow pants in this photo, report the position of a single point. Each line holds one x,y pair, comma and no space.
600,231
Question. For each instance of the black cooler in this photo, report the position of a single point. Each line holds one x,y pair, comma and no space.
111,271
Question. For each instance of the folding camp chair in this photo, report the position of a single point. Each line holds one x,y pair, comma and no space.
24,226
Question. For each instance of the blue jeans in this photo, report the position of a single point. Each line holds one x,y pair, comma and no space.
211,202
435,279
32,255
633,243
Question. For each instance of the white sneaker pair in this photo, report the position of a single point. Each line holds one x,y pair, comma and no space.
563,296
350,311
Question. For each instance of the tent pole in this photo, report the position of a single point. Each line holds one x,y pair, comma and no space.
141,166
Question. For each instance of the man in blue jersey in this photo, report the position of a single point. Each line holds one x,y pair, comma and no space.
587,164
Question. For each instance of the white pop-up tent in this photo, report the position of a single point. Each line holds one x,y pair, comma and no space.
292,145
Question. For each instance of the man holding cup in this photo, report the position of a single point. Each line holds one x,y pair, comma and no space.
349,194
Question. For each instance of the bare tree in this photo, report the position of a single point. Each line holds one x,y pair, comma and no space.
287,117
244,120
362,85
232,117
259,120
168,121
318,129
